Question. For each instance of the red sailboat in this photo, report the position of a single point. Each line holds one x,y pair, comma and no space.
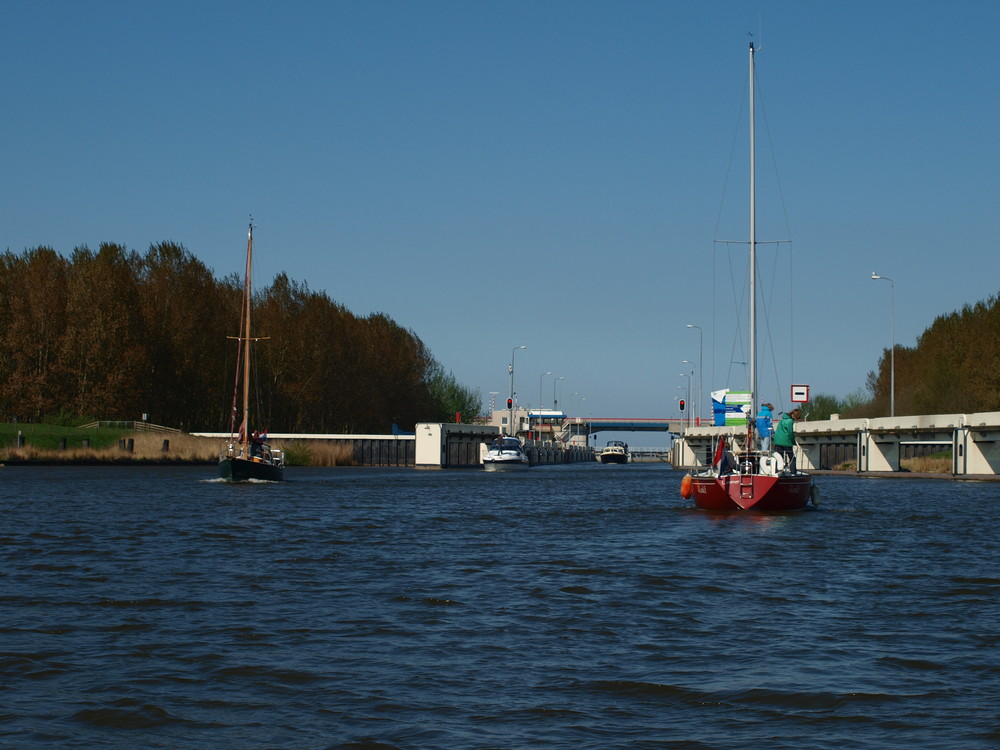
741,476
748,480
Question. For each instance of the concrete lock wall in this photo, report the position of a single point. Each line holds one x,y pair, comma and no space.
873,444
451,445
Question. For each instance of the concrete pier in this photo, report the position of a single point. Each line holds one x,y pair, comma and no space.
550,452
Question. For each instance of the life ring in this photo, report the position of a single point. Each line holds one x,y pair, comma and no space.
687,486
814,496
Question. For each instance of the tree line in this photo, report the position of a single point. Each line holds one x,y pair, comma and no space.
954,368
114,334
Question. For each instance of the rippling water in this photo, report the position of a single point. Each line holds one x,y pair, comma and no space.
563,607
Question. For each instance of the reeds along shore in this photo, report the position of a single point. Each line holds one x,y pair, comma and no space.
921,465
181,448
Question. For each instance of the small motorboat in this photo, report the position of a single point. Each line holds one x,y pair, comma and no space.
505,454
615,452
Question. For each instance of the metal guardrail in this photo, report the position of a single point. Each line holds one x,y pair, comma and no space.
649,455
128,425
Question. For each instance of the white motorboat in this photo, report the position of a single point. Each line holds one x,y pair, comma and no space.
505,454
615,452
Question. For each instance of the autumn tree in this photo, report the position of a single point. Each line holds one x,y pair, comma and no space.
115,335
104,347
954,367
185,310
33,298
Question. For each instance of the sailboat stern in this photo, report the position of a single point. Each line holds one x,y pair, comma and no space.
739,492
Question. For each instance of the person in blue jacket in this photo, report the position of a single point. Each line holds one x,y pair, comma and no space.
765,427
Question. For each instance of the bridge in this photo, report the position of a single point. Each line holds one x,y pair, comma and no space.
551,424
585,425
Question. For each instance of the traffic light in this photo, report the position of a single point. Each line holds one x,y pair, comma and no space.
682,404
510,403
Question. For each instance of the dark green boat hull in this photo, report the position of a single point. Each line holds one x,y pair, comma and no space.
242,470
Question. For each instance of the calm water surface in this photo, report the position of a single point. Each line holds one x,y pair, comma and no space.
563,607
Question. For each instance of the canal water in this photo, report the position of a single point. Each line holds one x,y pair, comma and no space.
578,606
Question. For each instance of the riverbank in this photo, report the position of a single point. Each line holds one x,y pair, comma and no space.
178,449
906,475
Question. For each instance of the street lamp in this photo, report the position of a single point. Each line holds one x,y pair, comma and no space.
694,402
701,371
568,423
555,401
510,400
540,407
892,352
541,419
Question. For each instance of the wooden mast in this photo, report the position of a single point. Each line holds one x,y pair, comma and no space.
246,343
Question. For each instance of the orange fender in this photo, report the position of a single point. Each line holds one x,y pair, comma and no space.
687,486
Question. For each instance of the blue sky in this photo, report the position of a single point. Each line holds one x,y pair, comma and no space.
552,174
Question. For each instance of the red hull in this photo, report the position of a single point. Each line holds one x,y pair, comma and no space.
735,492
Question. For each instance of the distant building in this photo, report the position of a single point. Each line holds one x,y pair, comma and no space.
529,424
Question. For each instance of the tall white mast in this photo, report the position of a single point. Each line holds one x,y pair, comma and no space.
753,254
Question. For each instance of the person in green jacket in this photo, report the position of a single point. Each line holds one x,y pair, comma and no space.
784,438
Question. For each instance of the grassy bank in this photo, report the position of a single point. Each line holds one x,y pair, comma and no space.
939,463
49,436
44,444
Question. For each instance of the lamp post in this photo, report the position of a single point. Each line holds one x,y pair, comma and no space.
701,371
892,352
540,406
555,401
510,408
694,399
